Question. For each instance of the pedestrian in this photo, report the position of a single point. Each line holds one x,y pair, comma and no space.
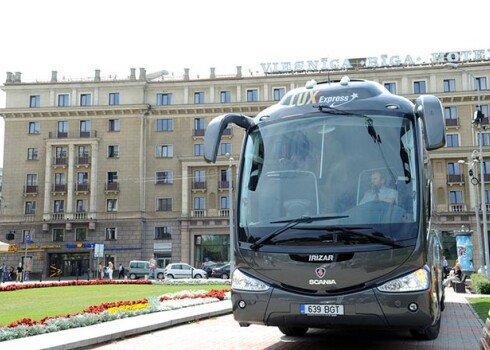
19,273
110,269
3,269
101,271
121,271
153,266
445,271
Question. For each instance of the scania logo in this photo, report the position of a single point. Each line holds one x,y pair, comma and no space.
320,272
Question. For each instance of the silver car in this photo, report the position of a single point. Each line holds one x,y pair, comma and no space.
183,270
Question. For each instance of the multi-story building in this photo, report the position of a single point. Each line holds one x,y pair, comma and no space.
117,163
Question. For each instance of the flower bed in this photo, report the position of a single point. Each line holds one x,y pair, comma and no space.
110,311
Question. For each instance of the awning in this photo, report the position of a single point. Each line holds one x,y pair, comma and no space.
4,247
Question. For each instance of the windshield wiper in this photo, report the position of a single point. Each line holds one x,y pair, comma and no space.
375,235
291,224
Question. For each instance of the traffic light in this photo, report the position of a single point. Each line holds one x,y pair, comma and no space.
10,236
478,117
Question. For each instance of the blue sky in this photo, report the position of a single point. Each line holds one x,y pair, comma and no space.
114,36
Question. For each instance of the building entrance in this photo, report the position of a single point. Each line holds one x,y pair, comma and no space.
68,264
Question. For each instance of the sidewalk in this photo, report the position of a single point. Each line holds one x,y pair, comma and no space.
460,325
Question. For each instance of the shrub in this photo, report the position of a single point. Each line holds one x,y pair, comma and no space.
480,283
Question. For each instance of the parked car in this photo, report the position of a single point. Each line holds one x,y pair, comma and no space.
183,270
221,272
139,268
208,267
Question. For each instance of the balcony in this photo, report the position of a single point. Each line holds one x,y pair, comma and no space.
80,215
223,185
228,132
83,187
457,208
57,216
452,122
199,213
60,161
224,212
198,132
83,161
31,190
199,185
59,188
112,187
455,179
72,135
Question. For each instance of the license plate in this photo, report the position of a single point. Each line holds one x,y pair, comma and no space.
321,310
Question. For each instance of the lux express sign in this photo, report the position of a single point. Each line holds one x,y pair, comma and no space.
376,61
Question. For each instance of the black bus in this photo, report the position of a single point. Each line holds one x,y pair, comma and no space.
334,207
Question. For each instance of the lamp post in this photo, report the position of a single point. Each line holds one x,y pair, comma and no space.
474,182
477,121
232,238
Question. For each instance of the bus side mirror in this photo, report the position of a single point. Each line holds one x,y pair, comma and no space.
212,136
429,109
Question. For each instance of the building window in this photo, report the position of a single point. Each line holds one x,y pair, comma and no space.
252,95
164,99
60,155
419,87
31,183
35,101
165,151
164,204
59,206
451,113
453,169
113,124
113,151
113,98
225,148
32,154
81,206
59,180
199,149
484,110
85,128
58,235
62,129
225,97
164,178
165,125
485,137
110,234
198,97
449,85
278,93
487,196
34,128
63,100
452,140
480,83
199,203
163,232
225,202
85,99
391,87
30,207
81,234
456,197
111,204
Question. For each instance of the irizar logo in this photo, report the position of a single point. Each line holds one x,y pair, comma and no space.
321,257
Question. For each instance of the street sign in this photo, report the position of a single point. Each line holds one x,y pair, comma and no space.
99,251
28,238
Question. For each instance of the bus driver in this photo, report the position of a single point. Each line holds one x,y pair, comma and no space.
378,191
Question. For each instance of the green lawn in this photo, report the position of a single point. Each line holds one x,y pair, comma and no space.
481,306
38,303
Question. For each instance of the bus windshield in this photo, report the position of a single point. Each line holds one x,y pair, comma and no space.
350,170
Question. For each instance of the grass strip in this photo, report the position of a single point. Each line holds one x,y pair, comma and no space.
38,303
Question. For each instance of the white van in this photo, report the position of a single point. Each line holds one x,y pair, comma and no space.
140,268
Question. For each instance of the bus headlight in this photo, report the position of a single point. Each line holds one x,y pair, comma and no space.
416,281
241,281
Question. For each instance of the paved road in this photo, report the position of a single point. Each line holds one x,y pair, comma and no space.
460,329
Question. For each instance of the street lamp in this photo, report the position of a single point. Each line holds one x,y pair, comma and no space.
474,182
477,121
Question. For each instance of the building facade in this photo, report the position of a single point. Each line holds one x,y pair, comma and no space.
99,169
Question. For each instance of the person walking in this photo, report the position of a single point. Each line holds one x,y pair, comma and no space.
3,270
153,266
101,271
121,271
110,269
20,269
